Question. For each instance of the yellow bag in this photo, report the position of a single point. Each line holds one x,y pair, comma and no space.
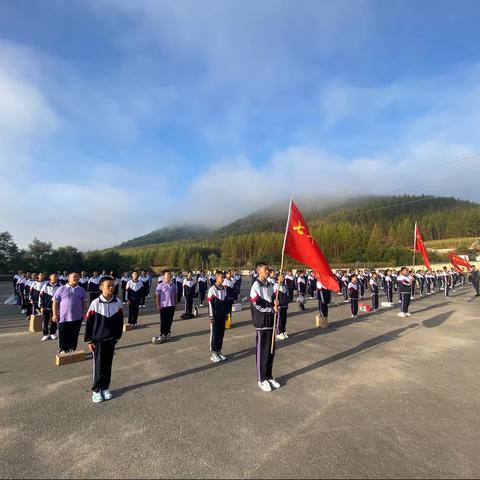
228,322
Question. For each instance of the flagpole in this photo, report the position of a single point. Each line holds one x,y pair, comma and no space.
414,244
281,270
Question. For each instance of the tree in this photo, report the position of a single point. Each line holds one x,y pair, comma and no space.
8,253
38,254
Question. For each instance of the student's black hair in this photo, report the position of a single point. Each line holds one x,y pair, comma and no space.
52,273
219,272
260,264
166,271
403,268
105,278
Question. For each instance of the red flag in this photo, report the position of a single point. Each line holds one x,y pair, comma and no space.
301,246
458,261
420,247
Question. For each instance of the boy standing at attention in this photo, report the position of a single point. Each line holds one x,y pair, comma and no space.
166,296
263,308
134,291
353,294
69,306
45,304
103,329
218,306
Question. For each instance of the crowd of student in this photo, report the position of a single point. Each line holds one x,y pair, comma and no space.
65,301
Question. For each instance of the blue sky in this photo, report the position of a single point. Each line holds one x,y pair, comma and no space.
121,116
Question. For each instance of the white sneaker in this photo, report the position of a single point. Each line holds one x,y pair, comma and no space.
401,314
215,358
23,311
201,305
222,356
265,386
53,336
97,397
274,383
280,336
408,314
107,394
45,338
285,334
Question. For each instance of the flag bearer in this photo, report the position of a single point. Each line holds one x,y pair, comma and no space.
324,296
263,308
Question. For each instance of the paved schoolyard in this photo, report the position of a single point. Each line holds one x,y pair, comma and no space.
381,396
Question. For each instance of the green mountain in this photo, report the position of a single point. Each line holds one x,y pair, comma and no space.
171,233
363,230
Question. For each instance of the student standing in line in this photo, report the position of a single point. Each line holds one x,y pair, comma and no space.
92,286
353,291
69,306
189,287
374,291
217,312
166,298
83,280
281,288
475,279
202,287
290,284
45,302
405,291
134,291
179,281
103,329
125,279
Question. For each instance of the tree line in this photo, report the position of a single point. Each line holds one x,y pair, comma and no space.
378,238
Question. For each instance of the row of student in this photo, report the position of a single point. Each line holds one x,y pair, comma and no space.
66,305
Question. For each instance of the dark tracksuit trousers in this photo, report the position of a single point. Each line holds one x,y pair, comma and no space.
264,357
47,316
102,364
133,306
290,293
217,332
389,293
166,320
323,303
68,335
405,301
179,291
282,320
189,304
202,290
375,300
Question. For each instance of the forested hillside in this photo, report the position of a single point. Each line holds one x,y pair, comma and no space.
369,230
365,230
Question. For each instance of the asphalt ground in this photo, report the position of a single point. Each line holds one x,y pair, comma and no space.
377,397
